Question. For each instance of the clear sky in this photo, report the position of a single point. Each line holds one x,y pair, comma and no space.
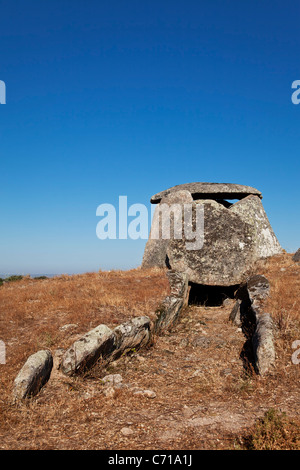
110,98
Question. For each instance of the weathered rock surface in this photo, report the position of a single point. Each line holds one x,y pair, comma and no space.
226,253
235,315
87,350
133,334
112,379
171,307
33,376
234,236
258,288
209,191
263,343
105,344
296,256
249,308
156,248
251,211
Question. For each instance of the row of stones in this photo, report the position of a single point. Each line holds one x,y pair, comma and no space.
108,345
248,313
102,343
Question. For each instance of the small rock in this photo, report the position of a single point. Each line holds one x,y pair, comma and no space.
201,341
149,394
109,392
127,431
140,358
69,326
226,372
145,393
187,412
197,373
112,379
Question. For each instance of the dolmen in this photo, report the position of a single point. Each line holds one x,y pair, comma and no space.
213,232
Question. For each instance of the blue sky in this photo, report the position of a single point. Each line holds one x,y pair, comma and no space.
111,98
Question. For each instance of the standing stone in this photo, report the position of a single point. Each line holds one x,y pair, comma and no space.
226,253
251,211
156,248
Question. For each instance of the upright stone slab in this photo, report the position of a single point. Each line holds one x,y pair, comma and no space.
226,252
156,248
251,211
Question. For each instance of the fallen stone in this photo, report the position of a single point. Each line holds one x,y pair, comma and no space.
131,336
106,345
171,307
249,308
33,376
263,344
258,289
87,350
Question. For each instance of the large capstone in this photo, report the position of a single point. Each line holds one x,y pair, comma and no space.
234,236
209,191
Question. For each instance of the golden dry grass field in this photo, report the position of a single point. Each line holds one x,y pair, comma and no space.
203,396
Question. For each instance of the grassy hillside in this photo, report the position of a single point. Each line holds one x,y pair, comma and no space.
204,398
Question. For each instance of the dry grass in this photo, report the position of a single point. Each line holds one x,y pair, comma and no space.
274,431
284,301
205,399
32,312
